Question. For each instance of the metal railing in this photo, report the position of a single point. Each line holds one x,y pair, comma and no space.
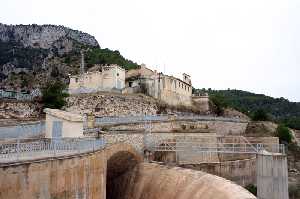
130,119
143,118
16,95
17,150
209,144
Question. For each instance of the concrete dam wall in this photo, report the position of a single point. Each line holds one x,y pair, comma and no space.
113,173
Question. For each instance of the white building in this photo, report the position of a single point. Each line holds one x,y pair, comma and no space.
98,78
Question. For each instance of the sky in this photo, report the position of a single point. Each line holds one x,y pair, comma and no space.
251,45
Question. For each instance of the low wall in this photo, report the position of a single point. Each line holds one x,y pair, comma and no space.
23,130
73,177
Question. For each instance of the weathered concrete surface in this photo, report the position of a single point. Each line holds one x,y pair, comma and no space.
75,177
153,181
242,172
82,176
112,173
272,176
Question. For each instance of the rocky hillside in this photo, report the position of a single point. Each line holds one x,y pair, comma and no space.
31,55
278,109
45,37
19,110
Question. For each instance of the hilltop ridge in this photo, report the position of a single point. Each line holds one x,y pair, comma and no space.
43,36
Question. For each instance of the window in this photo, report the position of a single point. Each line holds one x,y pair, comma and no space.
117,74
76,79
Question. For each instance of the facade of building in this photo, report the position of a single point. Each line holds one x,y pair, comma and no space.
98,78
63,124
168,89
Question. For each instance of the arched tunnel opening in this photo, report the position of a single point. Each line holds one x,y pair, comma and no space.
121,171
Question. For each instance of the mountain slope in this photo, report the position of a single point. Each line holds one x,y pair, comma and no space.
280,109
31,55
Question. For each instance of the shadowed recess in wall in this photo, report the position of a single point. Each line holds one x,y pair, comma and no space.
120,167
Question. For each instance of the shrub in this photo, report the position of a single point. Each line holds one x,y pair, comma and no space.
54,95
219,103
294,191
260,115
252,189
284,134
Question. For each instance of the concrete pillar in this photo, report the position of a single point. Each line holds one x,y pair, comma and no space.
90,120
272,176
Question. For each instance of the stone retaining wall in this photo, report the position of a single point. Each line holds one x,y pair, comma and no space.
219,127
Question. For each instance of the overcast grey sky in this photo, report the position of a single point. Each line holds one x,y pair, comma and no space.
252,45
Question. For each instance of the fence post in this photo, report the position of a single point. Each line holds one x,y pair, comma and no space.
94,144
18,149
54,147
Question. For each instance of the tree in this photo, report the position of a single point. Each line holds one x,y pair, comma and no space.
260,115
252,189
284,133
54,95
219,103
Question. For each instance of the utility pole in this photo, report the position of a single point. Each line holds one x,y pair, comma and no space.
81,76
82,62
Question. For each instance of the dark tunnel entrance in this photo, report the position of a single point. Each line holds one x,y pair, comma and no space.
121,168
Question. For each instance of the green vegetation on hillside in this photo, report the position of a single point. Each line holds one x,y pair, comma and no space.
23,57
219,103
260,115
284,134
278,109
252,189
107,56
54,95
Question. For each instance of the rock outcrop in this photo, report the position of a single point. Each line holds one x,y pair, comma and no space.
31,55
44,36
19,110
109,104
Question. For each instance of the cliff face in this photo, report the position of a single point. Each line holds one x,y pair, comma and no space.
31,55
45,36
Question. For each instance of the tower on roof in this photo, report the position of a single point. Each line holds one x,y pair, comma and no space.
186,78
